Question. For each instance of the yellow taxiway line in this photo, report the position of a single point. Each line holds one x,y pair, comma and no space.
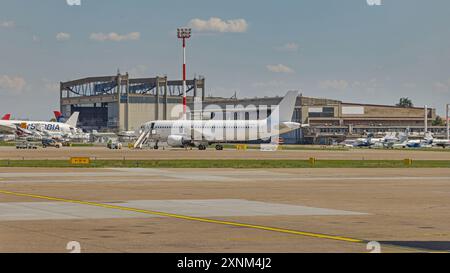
190,218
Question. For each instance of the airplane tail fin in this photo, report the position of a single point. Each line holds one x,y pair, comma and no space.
58,115
402,137
286,107
429,136
73,120
6,117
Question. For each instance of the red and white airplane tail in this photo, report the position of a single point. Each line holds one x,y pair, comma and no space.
6,117
58,115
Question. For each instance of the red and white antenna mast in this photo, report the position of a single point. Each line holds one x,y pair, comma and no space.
184,34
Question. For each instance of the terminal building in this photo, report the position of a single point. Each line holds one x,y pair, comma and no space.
334,121
120,103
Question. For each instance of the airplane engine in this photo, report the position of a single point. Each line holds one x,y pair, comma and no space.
177,141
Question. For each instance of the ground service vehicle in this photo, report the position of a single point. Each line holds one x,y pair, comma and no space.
51,143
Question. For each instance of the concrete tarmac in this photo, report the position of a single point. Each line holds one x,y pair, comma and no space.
224,210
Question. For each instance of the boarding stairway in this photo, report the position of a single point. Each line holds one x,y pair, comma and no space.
142,139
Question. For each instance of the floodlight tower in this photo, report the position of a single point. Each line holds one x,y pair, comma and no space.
448,121
184,34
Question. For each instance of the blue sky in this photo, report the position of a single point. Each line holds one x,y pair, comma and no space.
345,50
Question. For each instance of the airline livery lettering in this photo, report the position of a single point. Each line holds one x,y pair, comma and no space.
47,127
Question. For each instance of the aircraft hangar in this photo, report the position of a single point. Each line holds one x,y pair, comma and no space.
121,103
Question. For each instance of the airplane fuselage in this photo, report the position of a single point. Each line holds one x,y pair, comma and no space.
217,131
38,126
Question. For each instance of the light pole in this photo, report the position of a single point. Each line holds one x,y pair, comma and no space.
448,122
184,34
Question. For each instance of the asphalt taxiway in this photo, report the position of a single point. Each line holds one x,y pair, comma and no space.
224,210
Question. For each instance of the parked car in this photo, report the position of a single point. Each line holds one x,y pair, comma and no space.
113,145
51,143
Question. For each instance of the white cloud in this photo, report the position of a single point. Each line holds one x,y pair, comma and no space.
7,24
63,36
289,47
132,36
279,68
215,24
12,84
334,84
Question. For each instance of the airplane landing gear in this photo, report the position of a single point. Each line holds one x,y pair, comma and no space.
202,147
219,147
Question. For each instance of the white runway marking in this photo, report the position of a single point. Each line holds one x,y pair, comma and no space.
198,208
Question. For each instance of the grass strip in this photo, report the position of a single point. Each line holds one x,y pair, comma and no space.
238,164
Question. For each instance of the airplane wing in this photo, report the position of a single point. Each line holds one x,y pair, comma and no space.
291,125
8,128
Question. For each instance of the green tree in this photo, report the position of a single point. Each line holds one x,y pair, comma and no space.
438,121
405,103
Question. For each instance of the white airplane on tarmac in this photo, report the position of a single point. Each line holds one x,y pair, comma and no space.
392,140
444,143
389,140
201,133
42,129
369,141
426,142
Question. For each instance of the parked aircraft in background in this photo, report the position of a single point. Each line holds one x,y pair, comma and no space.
102,136
58,116
7,137
130,134
369,141
444,143
394,140
42,128
6,117
390,140
426,142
